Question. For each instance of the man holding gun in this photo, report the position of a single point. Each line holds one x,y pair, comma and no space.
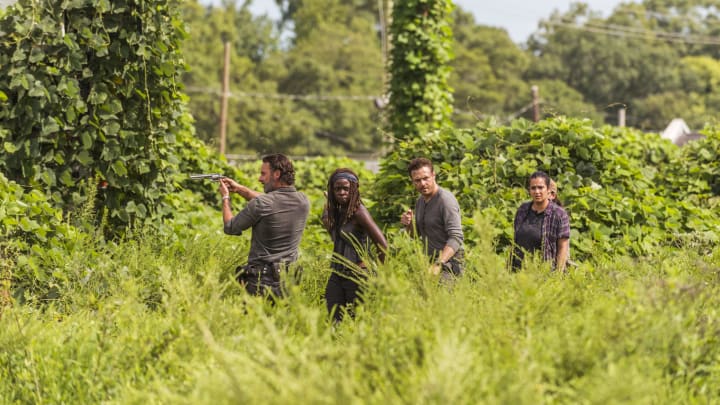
277,218
436,220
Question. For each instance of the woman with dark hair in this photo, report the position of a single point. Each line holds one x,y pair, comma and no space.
541,225
352,228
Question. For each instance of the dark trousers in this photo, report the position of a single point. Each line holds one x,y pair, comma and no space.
341,294
263,280
451,271
454,267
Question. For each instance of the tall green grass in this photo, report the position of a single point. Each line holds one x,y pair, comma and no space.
158,318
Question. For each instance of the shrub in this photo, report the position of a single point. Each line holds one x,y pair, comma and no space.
618,185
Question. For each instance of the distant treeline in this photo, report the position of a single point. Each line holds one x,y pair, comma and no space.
311,83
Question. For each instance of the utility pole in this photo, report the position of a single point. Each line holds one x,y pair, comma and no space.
383,43
385,18
385,10
225,96
536,102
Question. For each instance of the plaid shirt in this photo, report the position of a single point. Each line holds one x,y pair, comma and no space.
556,226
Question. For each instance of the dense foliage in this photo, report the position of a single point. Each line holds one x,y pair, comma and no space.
31,228
420,98
89,98
308,87
156,316
657,58
313,96
90,92
160,320
626,191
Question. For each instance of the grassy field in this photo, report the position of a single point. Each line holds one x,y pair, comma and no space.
159,319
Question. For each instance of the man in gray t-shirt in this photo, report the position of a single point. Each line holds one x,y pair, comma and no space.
277,219
436,219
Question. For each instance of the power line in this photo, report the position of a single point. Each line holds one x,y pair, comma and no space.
630,32
661,34
282,96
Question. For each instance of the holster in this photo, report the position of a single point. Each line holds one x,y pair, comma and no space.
268,271
259,278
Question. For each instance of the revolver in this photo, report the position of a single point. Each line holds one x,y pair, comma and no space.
213,177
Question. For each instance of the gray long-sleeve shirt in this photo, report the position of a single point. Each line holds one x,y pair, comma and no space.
277,219
438,222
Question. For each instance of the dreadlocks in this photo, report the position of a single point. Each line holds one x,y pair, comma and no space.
337,217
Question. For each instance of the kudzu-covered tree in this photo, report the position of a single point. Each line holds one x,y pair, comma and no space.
89,97
420,97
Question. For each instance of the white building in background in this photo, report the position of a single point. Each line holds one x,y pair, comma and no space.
679,133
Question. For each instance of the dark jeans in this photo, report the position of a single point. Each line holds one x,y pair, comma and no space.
341,293
263,280
451,270
454,267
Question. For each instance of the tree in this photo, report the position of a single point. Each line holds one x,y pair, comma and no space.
421,99
557,98
89,97
253,41
696,21
605,69
305,98
345,64
634,57
305,15
657,110
700,74
695,101
487,71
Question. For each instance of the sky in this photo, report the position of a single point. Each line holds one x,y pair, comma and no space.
519,17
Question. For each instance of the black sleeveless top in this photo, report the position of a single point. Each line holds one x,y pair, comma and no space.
345,239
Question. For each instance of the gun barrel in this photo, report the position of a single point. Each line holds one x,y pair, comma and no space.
213,177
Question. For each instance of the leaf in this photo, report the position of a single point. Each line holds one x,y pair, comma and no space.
86,139
69,87
66,178
97,97
141,211
111,128
143,168
84,158
10,147
36,55
19,55
49,126
28,225
119,168
19,80
37,90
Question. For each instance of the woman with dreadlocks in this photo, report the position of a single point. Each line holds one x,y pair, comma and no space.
352,228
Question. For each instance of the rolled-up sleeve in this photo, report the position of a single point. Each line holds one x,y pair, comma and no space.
245,219
453,224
